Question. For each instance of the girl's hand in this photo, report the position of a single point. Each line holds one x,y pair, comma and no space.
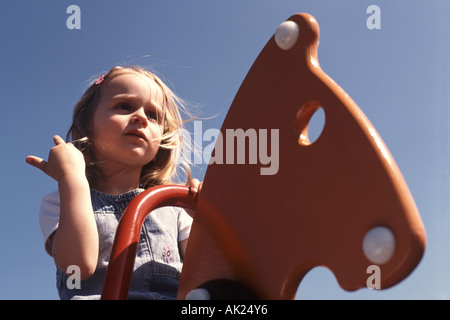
63,160
195,185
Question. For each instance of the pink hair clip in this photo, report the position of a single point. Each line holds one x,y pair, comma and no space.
100,79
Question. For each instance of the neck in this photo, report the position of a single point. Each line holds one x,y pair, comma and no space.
116,183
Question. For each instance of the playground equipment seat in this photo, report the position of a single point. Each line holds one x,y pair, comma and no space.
339,202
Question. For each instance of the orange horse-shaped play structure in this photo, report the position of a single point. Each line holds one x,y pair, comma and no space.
340,202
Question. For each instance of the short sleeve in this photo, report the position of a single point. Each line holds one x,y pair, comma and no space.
184,225
49,217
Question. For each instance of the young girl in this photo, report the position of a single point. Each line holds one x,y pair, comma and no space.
125,138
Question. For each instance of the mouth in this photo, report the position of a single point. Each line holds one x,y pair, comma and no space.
137,134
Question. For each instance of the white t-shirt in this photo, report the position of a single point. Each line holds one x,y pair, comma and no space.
49,219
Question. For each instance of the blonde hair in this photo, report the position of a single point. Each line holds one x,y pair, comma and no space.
163,169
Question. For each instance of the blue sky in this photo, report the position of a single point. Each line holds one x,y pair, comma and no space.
398,75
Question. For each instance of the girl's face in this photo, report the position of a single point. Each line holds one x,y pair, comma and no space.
126,127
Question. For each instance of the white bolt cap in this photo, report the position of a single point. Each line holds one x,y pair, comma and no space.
379,245
198,294
286,35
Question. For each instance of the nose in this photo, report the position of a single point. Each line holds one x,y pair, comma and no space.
139,116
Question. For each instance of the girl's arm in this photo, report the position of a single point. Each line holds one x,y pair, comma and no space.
182,247
194,186
75,242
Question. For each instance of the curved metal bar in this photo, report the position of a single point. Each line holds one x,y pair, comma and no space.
123,252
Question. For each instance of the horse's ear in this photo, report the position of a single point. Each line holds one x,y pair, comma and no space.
320,205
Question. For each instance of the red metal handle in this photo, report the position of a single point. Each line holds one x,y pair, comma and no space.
123,252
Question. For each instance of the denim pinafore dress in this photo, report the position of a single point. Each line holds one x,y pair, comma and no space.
157,267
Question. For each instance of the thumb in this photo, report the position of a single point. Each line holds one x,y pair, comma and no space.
58,140
37,162
193,185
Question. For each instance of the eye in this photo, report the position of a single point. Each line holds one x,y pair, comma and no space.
152,115
123,106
